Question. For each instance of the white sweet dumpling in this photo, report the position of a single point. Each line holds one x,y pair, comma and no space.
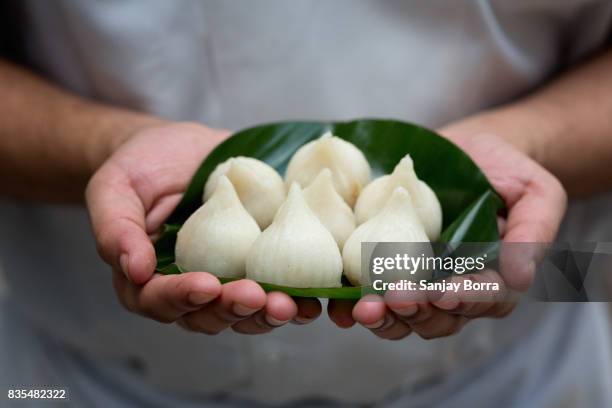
296,249
329,207
260,188
310,237
349,167
373,198
217,237
396,222
376,194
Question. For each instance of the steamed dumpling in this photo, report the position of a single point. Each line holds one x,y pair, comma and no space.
217,237
329,207
349,167
296,249
376,194
259,186
396,222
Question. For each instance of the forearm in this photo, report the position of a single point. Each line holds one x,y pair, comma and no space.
52,141
566,126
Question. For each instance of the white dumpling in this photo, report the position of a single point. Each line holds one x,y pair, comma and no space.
329,207
217,237
349,167
426,203
396,222
296,249
260,188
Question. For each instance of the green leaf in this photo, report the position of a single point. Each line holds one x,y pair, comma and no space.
469,203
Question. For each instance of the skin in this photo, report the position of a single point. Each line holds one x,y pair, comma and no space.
128,199
525,148
130,170
536,202
132,167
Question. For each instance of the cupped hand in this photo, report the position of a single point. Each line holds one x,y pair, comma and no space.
128,199
536,202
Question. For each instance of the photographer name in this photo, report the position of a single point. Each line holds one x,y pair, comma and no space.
439,286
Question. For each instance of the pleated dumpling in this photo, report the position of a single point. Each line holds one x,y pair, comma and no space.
376,194
260,188
396,222
296,249
217,237
329,207
349,168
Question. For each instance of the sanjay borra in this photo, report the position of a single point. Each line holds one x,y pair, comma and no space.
438,286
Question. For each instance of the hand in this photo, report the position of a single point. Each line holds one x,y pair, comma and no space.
536,202
130,196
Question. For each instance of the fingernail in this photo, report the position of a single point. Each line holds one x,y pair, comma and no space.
199,298
389,321
275,322
124,263
407,311
301,320
375,325
242,310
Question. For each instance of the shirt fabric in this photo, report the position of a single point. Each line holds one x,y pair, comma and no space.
236,64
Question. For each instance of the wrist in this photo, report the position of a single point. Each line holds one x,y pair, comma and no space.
112,128
523,125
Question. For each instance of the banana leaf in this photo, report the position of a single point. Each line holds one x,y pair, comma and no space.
469,203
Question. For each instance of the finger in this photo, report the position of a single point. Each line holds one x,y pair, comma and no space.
165,298
238,301
414,309
439,324
279,310
308,310
421,316
408,306
373,314
341,312
118,222
534,220
485,302
160,211
370,311
392,328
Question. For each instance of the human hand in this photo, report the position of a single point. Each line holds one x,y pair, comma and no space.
536,202
128,199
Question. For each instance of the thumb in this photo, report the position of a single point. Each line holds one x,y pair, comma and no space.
118,221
